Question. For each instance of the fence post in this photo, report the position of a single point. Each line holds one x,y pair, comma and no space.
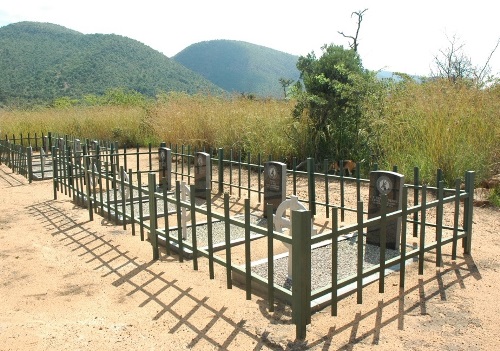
311,186
468,209
54,171
301,271
221,170
29,155
152,215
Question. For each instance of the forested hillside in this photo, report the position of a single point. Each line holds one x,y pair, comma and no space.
42,61
237,66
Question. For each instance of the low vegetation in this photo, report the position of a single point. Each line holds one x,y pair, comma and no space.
435,124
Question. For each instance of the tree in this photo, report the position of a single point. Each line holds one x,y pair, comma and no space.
335,86
453,64
354,44
285,83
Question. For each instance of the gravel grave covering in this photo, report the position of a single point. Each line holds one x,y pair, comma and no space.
321,266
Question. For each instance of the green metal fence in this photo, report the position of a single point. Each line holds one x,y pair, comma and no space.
120,186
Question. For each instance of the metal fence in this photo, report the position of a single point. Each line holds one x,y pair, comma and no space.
125,186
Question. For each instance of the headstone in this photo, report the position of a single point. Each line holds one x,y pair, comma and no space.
274,184
46,144
165,159
60,145
77,148
202,176
390,184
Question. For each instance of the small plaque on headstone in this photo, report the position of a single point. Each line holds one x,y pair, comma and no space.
274,184
391,185
165,160
202,176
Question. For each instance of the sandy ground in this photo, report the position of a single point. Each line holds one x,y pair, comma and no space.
67,283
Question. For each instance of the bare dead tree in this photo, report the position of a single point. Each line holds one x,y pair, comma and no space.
355,42
453,64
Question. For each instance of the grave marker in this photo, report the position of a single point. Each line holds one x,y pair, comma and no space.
202,176
390,184
165,159
274,184
77,149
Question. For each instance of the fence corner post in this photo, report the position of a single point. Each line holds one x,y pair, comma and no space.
301,271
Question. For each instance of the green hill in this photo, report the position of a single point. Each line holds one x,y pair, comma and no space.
242,67
42,61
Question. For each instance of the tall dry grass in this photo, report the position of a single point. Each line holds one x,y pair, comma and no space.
438,124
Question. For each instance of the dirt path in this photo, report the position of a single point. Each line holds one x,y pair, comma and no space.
70,284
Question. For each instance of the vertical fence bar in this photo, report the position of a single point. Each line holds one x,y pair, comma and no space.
468,209
86,166
122,188
178,190
249,175
141,210
416,182
132,209
231,172
192,199
439,224
301,271
456,217
422,230
358,182
239,174
221,170
259,161
294,175
342,197
227,237
383,242
335,251
270,257
311,186
166,218
404,218
210,235
54,171
359,266
152,215
327,209
248,258
29,157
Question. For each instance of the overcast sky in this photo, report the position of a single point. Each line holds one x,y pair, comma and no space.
395,35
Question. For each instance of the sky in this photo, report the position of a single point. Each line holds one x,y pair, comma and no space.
395,35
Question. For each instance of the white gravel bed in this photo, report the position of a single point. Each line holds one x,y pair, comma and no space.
321,263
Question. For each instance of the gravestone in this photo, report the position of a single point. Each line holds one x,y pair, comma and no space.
274,184
390,184
61,147
46,144
77,149
165,167
202,176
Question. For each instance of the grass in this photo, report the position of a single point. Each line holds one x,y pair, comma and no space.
433,125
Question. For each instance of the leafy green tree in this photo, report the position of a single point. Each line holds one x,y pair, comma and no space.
335,87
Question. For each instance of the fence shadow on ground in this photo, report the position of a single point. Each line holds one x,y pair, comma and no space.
8,180
426,289
96,250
